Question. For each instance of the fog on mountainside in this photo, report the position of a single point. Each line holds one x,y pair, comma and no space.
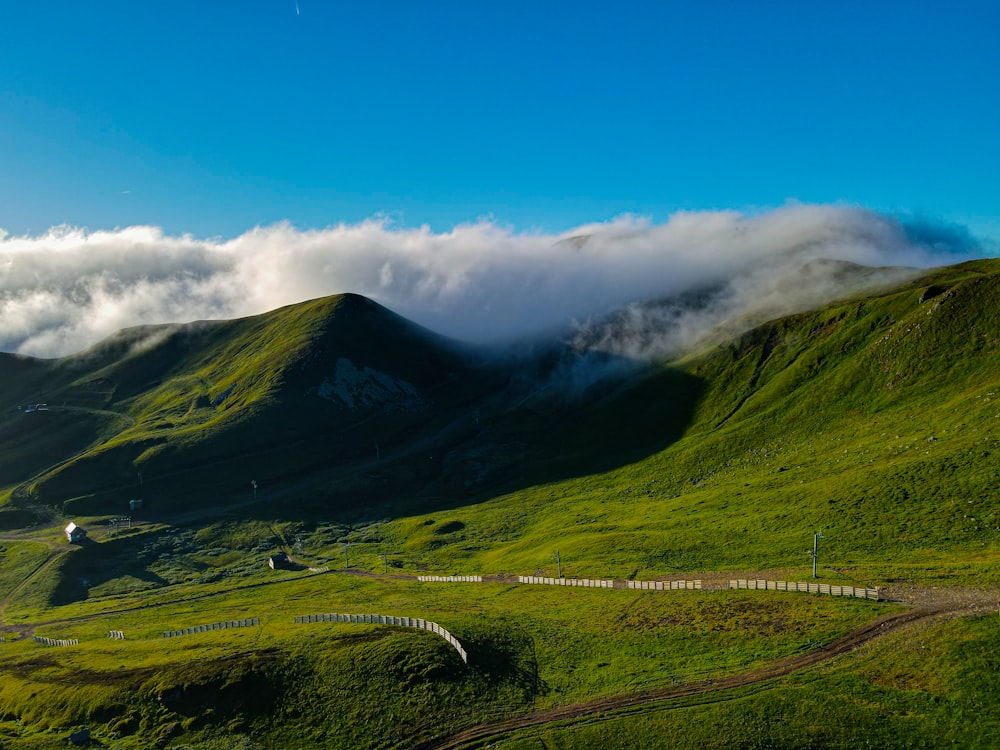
672,326
65,290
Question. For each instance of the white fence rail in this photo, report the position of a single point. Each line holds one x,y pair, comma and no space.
405,622
804,586
664,585
225,625
116,635
55,641
588,583
450,579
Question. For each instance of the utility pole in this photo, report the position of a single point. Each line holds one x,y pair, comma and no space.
385,563
254,483
558,563
347,554
815,553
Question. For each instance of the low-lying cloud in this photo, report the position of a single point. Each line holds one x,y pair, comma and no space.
67,289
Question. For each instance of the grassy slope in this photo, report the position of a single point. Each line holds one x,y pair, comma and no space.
931,688
529,647
201,405
873,419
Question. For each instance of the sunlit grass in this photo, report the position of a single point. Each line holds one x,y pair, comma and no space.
849,420
932,687
536,645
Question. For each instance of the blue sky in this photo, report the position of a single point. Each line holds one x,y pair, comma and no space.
211,118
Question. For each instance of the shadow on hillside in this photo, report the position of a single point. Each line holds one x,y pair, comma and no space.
29,442
499,431
508,442
504,654
96,563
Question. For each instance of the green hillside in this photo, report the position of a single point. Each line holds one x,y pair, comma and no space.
184,415
874,419
383,452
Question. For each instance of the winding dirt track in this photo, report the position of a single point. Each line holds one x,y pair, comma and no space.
927,603
475,736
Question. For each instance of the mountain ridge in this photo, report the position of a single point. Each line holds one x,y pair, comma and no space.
179,384
872,420
336,384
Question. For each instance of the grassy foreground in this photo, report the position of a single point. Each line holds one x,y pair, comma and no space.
927,689
874,419
337,685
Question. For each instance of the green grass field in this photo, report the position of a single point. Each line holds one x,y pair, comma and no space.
874,419
529,646
932,688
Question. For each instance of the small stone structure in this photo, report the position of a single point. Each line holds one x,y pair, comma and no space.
279,560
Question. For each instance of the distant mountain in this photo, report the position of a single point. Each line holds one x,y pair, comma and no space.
872,416
339,403
311,385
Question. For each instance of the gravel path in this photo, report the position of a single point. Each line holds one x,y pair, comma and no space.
929,603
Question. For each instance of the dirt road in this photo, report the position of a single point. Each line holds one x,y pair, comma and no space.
941,602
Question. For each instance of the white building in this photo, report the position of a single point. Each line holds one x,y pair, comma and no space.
75,533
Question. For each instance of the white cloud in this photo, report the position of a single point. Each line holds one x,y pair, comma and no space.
63,291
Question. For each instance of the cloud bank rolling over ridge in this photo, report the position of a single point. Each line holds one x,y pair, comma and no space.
67,289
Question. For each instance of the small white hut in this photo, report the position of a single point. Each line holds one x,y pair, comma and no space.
75,533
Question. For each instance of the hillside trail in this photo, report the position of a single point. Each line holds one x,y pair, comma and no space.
55,552
126,418
21,491
28,535
27,629
934,603
926,603
938,600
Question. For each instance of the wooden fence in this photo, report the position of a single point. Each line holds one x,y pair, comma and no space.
405,622
812,588
450,579
55,641
663,585
247,623
606,583
590,583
